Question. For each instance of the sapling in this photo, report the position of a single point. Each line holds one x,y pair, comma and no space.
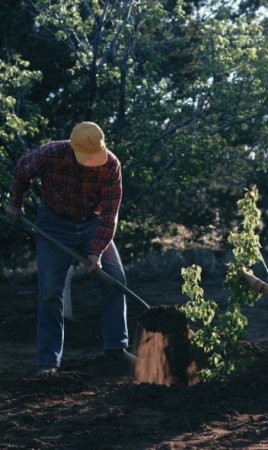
220,335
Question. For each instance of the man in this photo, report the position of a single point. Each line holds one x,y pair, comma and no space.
81,189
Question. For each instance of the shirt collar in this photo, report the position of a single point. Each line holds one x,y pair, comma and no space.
69,158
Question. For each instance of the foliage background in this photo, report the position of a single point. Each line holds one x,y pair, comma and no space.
179,86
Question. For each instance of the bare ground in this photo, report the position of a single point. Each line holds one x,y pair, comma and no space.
92,405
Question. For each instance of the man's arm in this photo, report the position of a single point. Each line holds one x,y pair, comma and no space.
111,196
25,171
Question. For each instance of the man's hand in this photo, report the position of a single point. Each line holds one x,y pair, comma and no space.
95,262
254,282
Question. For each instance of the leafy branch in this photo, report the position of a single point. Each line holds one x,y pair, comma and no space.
220,336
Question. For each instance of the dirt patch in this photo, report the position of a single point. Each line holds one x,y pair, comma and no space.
92,404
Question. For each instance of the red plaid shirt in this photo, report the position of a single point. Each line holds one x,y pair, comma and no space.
72,190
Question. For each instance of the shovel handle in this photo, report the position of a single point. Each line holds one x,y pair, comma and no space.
99,272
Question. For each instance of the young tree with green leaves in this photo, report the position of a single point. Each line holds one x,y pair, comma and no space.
220,335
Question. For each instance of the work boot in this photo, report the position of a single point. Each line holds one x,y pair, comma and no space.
46,372
120,355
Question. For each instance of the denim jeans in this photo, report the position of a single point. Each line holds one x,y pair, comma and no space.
53,265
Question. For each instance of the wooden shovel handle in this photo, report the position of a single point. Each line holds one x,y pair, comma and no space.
99,272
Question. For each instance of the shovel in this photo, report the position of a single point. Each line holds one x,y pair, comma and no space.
99,272
167,321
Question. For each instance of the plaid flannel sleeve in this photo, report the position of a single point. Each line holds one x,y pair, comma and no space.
25,171
111,196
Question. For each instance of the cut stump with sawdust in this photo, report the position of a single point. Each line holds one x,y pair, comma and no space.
165,352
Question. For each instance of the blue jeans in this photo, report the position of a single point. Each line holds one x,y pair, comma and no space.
53,265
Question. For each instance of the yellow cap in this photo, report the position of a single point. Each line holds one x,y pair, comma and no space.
88,144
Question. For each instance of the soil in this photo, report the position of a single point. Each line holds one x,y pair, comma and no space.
97,405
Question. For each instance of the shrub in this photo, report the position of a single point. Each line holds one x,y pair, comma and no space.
220,335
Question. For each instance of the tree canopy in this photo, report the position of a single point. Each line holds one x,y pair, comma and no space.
180,88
